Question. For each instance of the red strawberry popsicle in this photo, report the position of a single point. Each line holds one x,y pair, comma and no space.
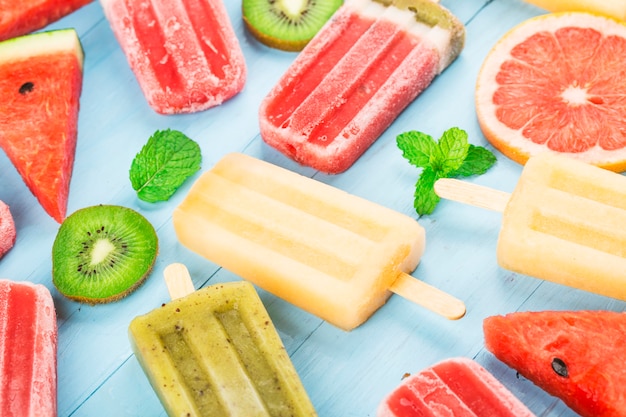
369,61
7,229
184,53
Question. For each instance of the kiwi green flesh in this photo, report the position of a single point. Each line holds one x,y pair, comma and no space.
287,24
103,253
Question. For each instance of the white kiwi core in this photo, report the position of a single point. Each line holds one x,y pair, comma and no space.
101,249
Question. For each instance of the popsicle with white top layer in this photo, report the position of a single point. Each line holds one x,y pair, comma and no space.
215,352
184,53
352,80
333,254
457,387
28,349
565,222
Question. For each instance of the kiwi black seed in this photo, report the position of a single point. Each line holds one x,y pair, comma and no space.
103,253
287,24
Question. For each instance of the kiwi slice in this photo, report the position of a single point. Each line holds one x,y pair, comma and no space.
102,253
287,24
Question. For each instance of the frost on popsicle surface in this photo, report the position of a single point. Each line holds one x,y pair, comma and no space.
355,77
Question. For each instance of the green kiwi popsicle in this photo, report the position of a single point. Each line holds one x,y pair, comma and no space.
215,352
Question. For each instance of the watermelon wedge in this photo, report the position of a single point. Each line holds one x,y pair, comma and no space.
577,356
40,84
20,17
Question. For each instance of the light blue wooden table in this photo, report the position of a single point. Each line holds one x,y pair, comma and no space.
345,373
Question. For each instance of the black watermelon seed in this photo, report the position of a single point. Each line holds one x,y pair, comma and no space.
560,367
27,87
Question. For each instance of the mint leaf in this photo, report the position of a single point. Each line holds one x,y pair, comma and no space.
453,146
163,164
425,197
450,157
477,162
416,147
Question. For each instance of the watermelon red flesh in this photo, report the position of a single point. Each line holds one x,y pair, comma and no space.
19,17
591,344
38,123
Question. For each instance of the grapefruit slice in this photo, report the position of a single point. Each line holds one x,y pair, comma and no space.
40,84
25,16
577,356
615,8
557,83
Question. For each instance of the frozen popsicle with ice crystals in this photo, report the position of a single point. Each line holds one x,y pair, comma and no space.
28,350
352,80
457,387
184,53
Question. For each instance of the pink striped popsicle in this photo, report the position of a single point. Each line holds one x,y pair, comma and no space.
457,387
184,53
28,348
369,62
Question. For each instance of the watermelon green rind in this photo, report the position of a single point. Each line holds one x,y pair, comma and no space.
40,43
40,85
591,344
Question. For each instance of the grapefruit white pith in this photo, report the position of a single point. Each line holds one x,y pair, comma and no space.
557,82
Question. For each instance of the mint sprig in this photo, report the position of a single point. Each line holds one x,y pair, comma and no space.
452,156
163,164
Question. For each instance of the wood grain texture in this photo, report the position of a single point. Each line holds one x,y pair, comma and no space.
345,373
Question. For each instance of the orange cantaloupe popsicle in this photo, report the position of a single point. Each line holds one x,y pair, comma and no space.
216,352
564,222
331,253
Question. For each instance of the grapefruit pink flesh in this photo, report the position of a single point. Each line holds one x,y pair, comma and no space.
558,83
40,82
614,8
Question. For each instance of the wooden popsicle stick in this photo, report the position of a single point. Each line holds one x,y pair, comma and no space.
428,296
472,194
178,280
